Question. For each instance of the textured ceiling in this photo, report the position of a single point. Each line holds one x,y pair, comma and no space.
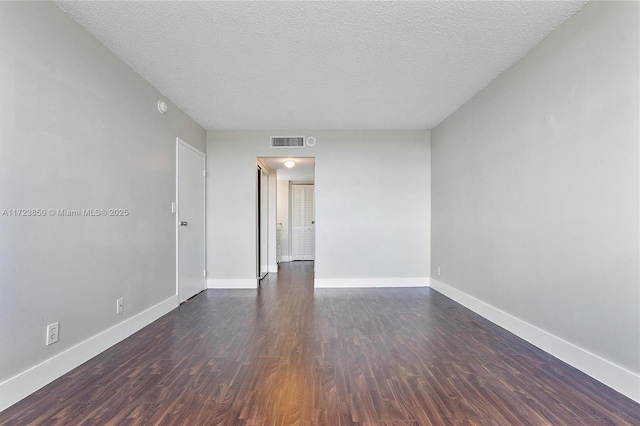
320,65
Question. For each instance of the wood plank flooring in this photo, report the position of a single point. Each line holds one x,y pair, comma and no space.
285,354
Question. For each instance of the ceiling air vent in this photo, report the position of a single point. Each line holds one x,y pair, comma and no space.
287,141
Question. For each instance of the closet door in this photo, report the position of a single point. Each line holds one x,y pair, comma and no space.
303,232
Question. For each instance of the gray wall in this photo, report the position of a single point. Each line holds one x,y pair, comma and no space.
536,187
79,129
372,202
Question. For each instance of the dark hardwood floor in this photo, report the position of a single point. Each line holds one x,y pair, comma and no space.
286,354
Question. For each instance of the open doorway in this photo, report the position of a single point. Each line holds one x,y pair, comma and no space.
290,212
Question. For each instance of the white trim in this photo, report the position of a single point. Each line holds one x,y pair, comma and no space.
232,283
370,282
273,268
612,375
285,259
192,148
24,384
263,166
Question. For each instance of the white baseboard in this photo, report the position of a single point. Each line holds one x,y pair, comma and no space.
370,282
612,375
285,258
232,283
273,268
24,384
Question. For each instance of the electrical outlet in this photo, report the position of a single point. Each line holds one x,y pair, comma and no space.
119,305
438,271
52,333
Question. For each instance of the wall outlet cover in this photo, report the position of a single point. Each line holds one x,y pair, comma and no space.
53,331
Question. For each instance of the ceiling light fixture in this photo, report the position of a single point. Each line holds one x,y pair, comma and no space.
289,164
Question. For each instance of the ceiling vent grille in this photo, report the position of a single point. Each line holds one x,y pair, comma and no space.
287,141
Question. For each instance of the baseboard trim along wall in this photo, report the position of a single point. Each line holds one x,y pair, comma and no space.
29,381
370,282
232,283
614,376
273,268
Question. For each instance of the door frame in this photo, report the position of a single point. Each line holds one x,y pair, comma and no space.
176,212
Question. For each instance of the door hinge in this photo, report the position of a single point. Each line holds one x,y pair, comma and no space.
204,173
205,272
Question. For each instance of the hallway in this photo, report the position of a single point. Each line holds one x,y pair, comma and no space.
286,354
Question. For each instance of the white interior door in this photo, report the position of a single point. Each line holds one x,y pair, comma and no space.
303,228
190,234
